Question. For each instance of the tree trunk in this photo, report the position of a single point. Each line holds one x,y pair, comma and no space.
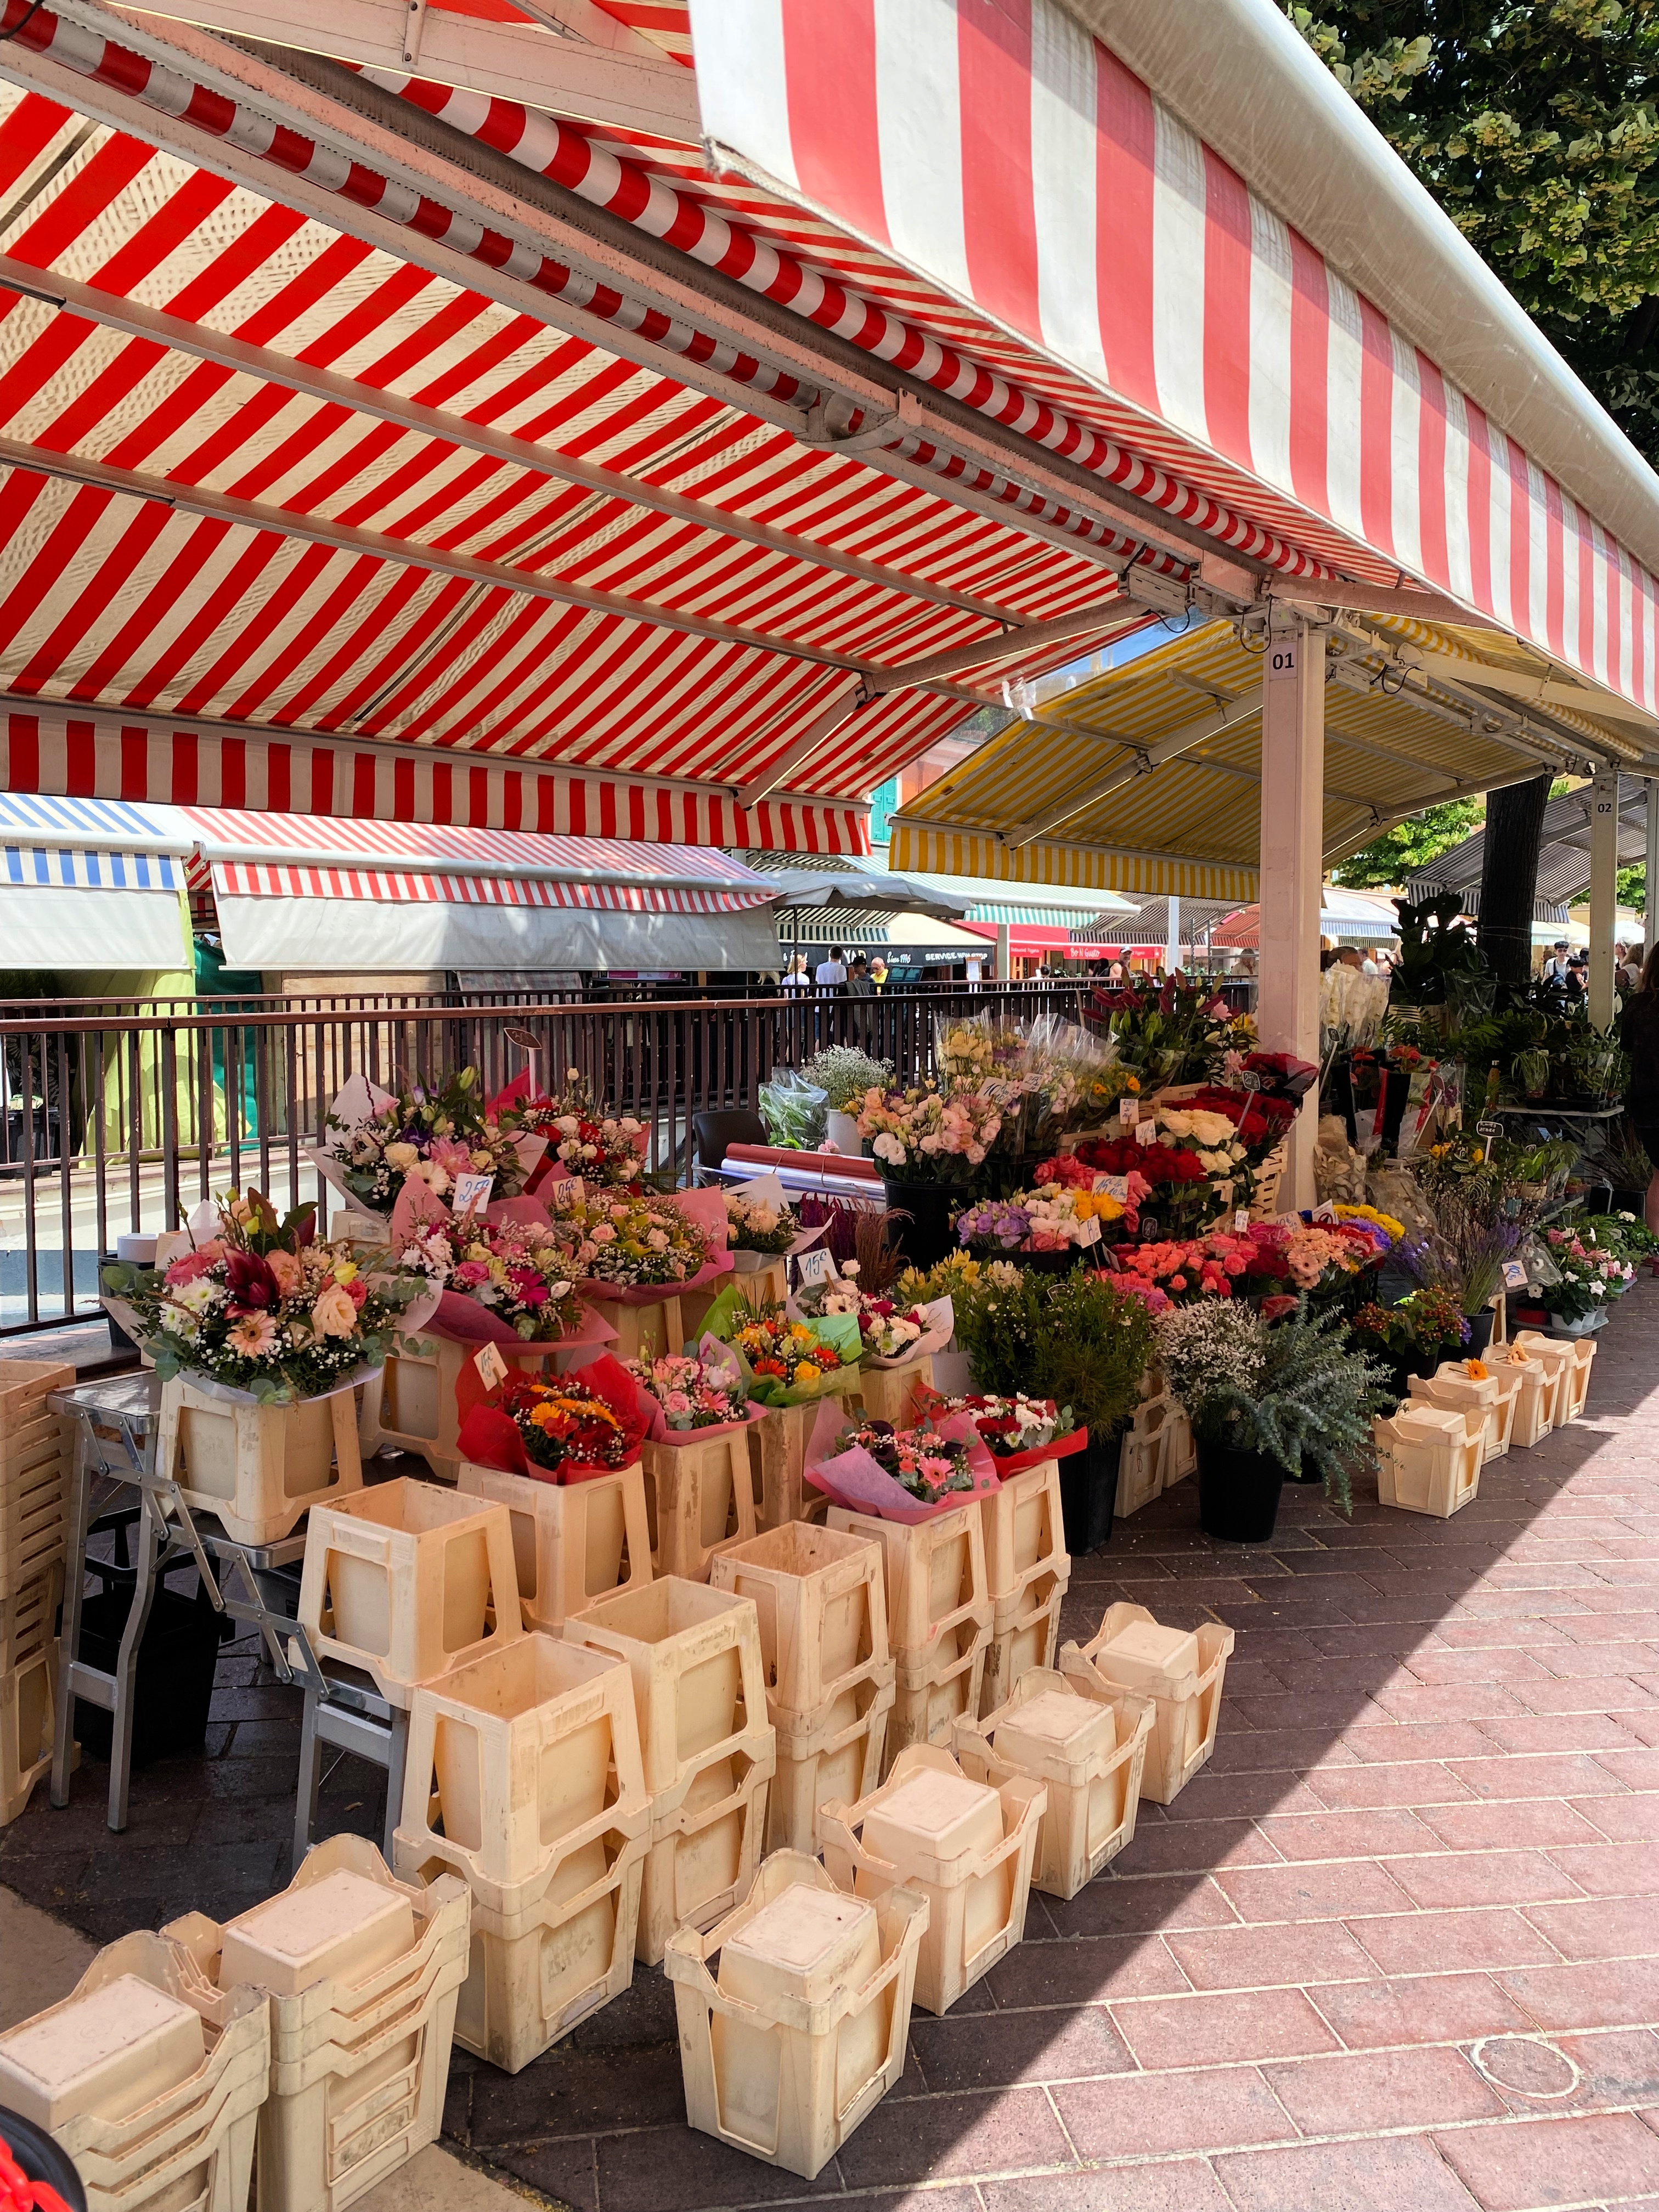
1508,876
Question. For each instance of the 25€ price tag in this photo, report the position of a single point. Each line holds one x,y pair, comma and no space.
814,1267
490,1365
473,1192
1128,1112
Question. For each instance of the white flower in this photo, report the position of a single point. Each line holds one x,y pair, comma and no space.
888,1147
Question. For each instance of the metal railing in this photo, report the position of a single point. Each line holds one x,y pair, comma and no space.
120,1117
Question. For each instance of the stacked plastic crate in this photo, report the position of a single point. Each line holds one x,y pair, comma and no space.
821,1603
1029,1570
34,1479
938,1617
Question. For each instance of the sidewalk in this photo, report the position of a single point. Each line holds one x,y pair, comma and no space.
1396,1950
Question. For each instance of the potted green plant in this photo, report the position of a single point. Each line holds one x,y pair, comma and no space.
845,1073
1265,1399
1414,1336
1073,1339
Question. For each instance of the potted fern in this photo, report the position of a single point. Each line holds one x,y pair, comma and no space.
1267,1400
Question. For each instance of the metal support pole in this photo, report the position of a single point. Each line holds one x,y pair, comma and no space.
1293,810
1604,886
1004,962
1172,949
1651,900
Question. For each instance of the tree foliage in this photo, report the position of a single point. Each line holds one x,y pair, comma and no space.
1536,127
1392,857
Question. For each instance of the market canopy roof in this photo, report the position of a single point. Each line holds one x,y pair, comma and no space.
374,444
1350,917
1149,779
1563,865
90,887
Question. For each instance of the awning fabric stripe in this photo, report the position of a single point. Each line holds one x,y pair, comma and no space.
1011,160
1095,868
276,879
63,868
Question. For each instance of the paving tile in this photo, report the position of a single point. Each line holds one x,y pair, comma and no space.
1599,1928
1567,2161
1626,1819
1358,2093
678,2170
1137,2113
1195,1846
1636,1770
1572,1774
1378,1834
1542,1732
1538,1822
1312,1892
924,2139
1611,1869
1212,1797
1084,1973
1347,1788
1248,2025
577,2093
1428,1942
567,2170
1395,2174
1617,2068
1299,1953
1424,2008
988,2050
1132,1905
1454,1878
1607,1993
1178,2184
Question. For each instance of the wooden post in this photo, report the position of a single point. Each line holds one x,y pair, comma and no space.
1604,889
1292,808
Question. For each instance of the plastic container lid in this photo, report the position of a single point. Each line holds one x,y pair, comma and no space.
110,2053
932,1815
344,1926
801,1945
139,1251
1144,1655
1055,1725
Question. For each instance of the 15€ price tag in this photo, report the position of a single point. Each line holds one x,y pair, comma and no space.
814,1267
490,1365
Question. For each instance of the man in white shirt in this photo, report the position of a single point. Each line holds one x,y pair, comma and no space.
1368,965
832,973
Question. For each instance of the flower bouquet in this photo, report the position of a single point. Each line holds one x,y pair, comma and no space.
1187,1271
903,1474
1176,1032
753,1226
602,1148
378,1141
258,1310
563,1429
1415,1336
925,1136
1182,1193
1587,1277
622,1245
1059,1221
893,1331
1019,1432
702,1394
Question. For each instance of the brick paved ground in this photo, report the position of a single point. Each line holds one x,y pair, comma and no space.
1397,1948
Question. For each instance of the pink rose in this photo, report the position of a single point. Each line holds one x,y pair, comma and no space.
334,1314
189,1265
285,1266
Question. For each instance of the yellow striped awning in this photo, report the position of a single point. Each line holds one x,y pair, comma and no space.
1071,798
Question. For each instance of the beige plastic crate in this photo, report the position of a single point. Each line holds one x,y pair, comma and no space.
820,1600
931,1696
407,1581
1144,1458
704,1848
1180,1670
1567,1360
537,1973
646,1332
1181,1452
804,2031
411,1404
1535,1399
1088,1746
28,1688
1025,1632
968,1849
699,1499
25,1386
889,1394
1428,1458
838,1757
363,1973
934,1570
572,1542
156,2105
1494,1396
517,1760
1023,1532
777,1459
259,1468
32,1516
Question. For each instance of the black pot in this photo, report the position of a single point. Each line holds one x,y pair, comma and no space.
1087,1494
1480,1329
1628,1201
41,2157
1395,1102
925,1236
173,1687
1237,1493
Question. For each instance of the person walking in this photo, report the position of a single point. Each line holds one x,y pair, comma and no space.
1639,1036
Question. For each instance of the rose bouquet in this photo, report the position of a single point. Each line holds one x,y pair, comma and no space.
426,1136
927,1464
693,1393
1180,1193
754,1225
260,1307
601,1148
1189,1270
621,1242
565,1428
891,1329
904,1474
923,1136
518,1272
1015,1428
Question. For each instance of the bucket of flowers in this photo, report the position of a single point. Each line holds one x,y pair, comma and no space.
379,1139
1051,1228
632,1255
1587,1276
1174,1032
260,1334
582,1139
1415,1336
926,1146
1182,1193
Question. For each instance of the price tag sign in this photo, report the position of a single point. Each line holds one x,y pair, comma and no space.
1145,1132
1128,1112
473,1192
489,1363
1489,1128
1515,1275
814,1267
1291,1220
1116,1187
1241,1219
1088,1232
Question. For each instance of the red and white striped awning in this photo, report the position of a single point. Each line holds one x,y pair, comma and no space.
398,417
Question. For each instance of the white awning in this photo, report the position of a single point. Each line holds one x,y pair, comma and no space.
304,934
85,886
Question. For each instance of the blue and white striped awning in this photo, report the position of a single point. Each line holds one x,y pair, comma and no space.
68,868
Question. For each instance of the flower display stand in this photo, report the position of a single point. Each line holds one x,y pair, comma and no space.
969,1850
406,1581
411,1404
1180,1670
821,1607
1494,1396
1429,1457
1145,1455
1087,1745
1024,1538
931,1695
157,2105
1024,1631
889,1394
259,1468
934,1571
648,1331
832,1756
778,1445
362,1973
572,1542
805,2028
28,1687
1535,1399
36,1462
699,1498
